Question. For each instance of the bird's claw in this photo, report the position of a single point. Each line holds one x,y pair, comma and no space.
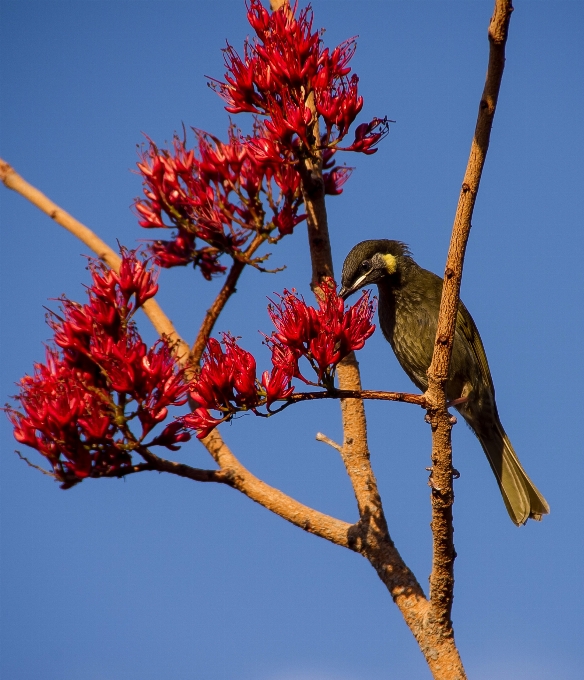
457,402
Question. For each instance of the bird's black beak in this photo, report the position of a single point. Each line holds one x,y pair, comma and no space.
344,292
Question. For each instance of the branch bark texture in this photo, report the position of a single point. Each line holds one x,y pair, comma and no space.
441,481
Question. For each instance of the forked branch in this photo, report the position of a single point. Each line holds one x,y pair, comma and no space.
231,471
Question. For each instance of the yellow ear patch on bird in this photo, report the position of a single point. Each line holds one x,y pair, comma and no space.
390,263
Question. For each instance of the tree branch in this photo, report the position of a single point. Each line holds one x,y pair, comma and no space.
154,462
442,576
221,300
417,399
215,310
320,437
12,180
232,472
276,501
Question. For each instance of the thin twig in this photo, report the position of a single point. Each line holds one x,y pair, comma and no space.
220,301
214,310
320,437
417,399
181,470
442,576
36,467
124,472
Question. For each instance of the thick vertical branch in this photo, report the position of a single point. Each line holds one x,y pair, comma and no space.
442,576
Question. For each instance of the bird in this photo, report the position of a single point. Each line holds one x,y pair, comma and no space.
408,307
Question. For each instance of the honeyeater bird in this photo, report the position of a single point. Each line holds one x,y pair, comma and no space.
409,302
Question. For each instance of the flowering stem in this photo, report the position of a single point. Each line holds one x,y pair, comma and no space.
229,287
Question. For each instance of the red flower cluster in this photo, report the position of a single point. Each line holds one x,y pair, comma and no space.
325,335
214,195
286,72
228,384
74,406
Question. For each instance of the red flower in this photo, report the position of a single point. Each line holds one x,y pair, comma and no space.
366,137
172,434
64,421
213,194
335,179
227,382
294,320
277,385
201,421
227,379
356,325
285,65
135,278
324,335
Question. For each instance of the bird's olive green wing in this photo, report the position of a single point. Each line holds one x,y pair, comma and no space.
466,326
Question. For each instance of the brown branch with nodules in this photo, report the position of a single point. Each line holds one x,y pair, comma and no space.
441,480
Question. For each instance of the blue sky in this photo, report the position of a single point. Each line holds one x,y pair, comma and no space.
156,577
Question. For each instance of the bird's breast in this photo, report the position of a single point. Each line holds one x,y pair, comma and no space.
409,325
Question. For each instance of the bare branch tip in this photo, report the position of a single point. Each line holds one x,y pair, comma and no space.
320,437
5,170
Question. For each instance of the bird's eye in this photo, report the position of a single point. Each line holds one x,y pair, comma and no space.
365,266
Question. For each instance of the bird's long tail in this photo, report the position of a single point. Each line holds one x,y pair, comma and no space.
522,499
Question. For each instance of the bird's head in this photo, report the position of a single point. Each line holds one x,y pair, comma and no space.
369,262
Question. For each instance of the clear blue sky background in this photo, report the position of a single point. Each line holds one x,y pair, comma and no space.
157,577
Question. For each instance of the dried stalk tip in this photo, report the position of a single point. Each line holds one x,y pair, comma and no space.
320,437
